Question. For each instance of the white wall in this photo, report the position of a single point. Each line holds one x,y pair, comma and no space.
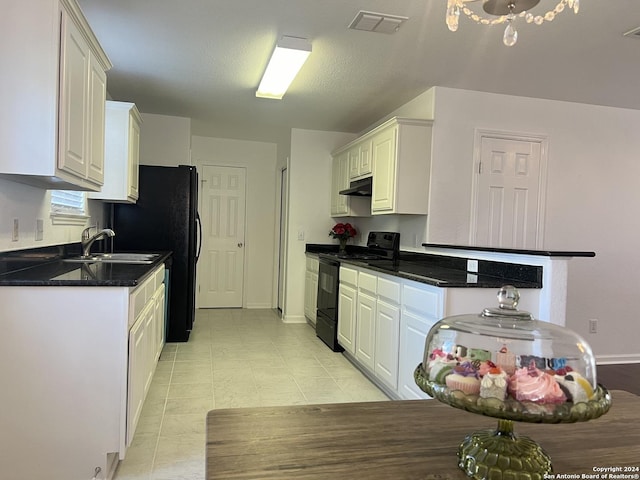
165,140
259,158
309,206
27,204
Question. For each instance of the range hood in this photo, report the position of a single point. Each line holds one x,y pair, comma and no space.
360,188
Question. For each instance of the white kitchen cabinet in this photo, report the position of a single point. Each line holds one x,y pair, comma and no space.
89,344
311,289
401,156
121,153
146,317
343,205
347,309
387,331
52,121
360,160
422,307
366,320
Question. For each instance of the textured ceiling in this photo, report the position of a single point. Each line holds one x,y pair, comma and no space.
203,59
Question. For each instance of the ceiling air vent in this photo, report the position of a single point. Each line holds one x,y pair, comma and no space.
377,22
635,33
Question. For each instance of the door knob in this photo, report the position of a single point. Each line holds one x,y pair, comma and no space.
240,245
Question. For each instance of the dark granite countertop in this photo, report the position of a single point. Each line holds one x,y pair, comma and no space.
542,253
441,271
44,267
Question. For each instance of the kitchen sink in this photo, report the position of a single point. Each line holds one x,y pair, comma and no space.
136,258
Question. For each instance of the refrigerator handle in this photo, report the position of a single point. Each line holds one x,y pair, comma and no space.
199,222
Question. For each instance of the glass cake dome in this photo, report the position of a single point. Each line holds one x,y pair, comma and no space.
504,363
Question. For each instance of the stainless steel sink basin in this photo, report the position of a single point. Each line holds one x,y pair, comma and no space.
136,258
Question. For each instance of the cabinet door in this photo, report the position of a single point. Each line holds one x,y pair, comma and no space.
340,181
366,166
366,330
413,334
314,297
308,299
354,162
97,99
384,170
134,157
347,318
73,149
137,374
387,336
159,320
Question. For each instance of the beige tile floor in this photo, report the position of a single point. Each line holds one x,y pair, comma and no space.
234,358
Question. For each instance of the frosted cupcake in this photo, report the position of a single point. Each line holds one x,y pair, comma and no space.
574,386
494,384
440,365
464,377
533,385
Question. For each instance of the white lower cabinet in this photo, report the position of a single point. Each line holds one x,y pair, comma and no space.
422,307
311,289
366,326
146,320
81,376
347,309
383,322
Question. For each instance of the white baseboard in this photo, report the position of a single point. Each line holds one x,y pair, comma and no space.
294,319
613,359
259,305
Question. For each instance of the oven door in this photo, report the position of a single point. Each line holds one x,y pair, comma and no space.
328,281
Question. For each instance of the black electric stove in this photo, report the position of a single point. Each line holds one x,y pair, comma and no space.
381,246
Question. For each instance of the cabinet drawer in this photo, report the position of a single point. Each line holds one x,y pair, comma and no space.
389,289
349,276
422,299
367,282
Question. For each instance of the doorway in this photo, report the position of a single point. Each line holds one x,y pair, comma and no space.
508,190
221,265
284,207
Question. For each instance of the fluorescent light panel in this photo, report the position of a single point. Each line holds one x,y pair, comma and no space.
285,63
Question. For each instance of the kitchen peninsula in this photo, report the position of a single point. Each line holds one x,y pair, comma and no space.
386,307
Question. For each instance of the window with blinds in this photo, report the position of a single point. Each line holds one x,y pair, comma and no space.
68,207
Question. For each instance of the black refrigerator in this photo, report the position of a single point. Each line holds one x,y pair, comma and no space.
166,218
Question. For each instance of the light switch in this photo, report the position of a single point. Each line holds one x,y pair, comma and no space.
301,235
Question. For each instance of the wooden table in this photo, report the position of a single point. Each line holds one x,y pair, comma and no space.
399,440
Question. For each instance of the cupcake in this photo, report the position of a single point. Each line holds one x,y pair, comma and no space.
494,384
573,385
483,367
440,365
533,385
464,377
506,360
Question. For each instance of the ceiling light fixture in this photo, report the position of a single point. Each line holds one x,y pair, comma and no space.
506,11
285,63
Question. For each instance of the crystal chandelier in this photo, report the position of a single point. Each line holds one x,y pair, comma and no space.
505,11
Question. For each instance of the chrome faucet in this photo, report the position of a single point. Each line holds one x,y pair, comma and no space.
86,241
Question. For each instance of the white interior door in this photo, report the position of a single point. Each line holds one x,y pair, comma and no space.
509,192
221,265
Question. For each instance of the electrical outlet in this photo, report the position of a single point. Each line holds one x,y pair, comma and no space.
472,266
15,236
593,325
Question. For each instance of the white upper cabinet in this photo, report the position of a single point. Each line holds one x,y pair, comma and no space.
53,96
121,153
397,154
401,156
